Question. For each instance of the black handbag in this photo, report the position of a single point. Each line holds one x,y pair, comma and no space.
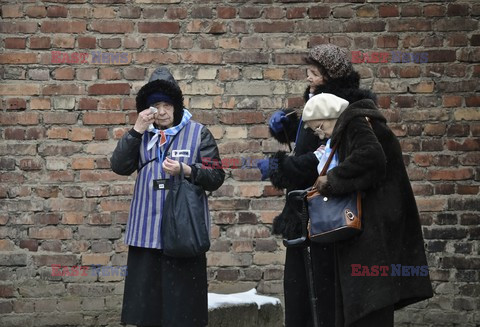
184,231
333,218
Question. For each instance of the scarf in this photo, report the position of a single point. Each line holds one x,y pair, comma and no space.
322,153
163,136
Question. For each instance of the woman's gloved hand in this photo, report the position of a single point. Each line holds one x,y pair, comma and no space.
264,166
277,120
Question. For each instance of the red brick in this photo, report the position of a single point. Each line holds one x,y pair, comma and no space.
319,12
387,41
74,27
466,145
275,27
202,57
217,28
201,12
20,118
36,12
249,12
55,89
18,27
12,11
87,42
109,74
411,11
87,104
450,174
388,11
101,134
293,13
60,118
409,25
343,12
153,13
441,56
81,134
35,133
226,12
64,73
57,11
15,43
16,104
31,245
241,118
18,58
39,43
100,118
134,73
39,103
113,88
112,27
434,10
159,27
110,104
452,101
14,134
274,13
130,12
160,42
458,9
110,43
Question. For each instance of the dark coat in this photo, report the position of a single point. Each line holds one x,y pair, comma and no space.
300,170
371,161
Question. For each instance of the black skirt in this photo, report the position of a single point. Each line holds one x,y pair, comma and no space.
165,291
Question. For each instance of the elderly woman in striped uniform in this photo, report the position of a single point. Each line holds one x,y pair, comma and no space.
161,290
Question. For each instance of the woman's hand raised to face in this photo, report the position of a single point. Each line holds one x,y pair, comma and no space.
144,119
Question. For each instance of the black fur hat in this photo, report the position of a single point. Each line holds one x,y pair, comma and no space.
162,81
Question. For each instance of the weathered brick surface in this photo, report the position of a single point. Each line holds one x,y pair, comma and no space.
236,63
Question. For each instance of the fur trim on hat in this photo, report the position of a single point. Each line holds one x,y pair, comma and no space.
168,88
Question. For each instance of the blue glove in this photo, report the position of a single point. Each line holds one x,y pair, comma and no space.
264,166
276,121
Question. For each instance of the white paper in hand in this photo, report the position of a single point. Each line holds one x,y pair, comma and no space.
153,110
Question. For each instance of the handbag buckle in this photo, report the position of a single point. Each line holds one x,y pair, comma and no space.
350,215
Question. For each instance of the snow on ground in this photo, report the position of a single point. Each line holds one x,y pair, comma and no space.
221,300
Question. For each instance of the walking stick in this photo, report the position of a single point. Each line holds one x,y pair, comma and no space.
303,241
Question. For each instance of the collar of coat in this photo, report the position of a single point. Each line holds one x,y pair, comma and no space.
362,108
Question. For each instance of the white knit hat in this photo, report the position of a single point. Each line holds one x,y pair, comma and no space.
324,106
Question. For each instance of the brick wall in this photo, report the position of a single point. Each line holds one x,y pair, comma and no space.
237,61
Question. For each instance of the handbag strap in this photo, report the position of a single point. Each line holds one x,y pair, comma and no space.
330,157
329,160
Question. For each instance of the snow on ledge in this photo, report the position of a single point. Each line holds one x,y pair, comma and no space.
221,300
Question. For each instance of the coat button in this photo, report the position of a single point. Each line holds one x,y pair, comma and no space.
325,199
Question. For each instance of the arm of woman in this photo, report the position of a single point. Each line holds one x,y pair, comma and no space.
209,178
363,167
124,160
293,172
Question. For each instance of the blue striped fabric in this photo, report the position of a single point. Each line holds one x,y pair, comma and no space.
145,217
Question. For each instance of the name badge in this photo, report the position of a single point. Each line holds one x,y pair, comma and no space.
160,184
181,153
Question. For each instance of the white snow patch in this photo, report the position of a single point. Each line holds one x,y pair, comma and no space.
221,300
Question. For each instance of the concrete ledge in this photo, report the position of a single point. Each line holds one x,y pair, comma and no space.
245,309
